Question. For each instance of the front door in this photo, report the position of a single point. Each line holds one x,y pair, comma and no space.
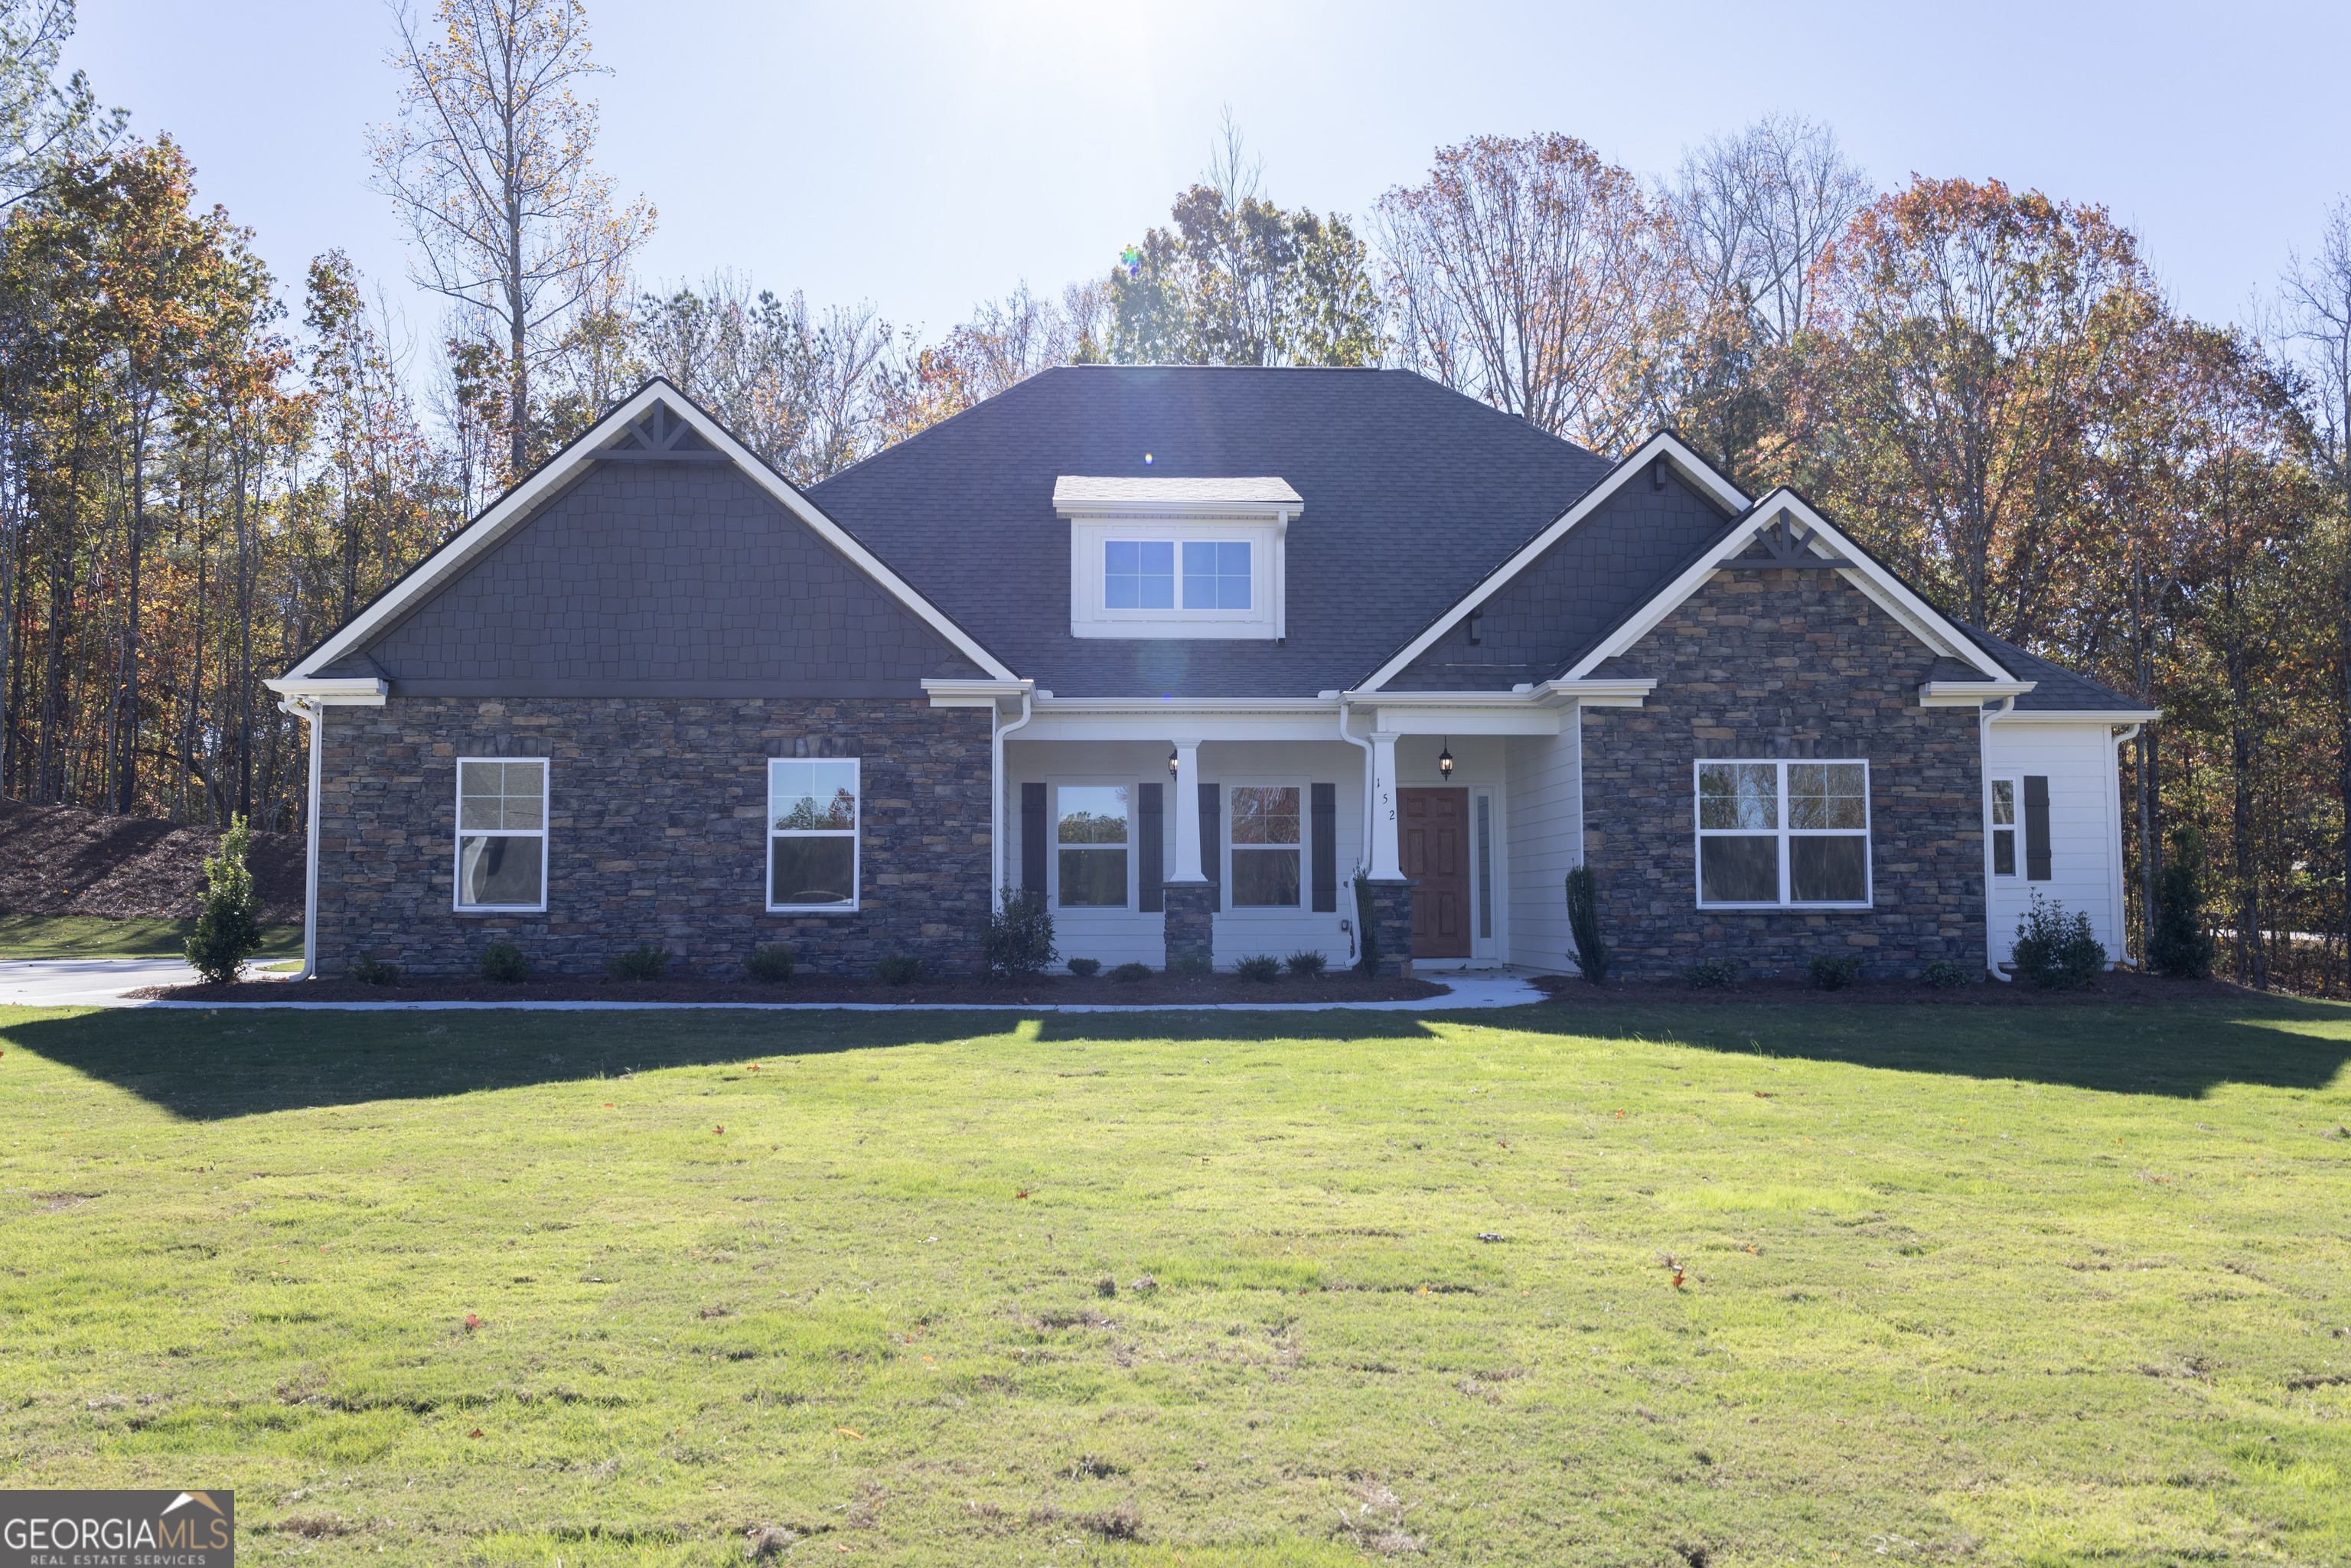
1435,845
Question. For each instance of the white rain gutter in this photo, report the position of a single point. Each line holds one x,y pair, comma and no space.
1983,759
313,712
996,812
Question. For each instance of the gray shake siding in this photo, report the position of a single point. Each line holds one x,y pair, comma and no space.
1764,664
656,826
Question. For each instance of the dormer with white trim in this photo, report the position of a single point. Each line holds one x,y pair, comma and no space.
1157,558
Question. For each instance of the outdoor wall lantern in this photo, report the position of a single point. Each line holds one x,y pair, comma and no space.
1445,758
1171,762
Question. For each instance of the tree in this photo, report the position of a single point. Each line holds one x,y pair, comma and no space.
44,126
490,163
1526,272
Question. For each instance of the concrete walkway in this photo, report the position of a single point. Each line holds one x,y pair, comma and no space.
102,982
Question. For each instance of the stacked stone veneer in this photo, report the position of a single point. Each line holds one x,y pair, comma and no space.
1191,922
656,830
1765,662
1391,927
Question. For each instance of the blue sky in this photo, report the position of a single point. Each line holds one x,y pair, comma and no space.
925,156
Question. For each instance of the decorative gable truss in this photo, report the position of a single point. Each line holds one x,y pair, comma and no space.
658,424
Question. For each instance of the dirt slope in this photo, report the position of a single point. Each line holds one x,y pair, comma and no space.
62,860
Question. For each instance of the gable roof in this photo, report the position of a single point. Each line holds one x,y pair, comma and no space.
616,437
1409,493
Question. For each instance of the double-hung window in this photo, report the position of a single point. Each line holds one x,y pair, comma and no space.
2003,827
1090,834
1266,846
1215,574
1782,834
501,833
812,833
1139,574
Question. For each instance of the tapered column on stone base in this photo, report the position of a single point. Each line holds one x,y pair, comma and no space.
1191,926
1392,926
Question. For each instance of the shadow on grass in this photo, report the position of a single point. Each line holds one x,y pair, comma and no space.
203,1067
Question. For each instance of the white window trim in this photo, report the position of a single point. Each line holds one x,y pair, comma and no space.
457,840
1090,616
1304,846
1867,833
2015,827
855,835
1053,788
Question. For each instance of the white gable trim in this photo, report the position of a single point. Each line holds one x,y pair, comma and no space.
1693,471
486,531
1918,617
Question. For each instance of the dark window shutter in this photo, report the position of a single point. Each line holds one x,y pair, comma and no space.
2037,827
1151,846
1212,818
1326,849
1033,843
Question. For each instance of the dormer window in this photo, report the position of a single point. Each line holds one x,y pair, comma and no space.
1176,558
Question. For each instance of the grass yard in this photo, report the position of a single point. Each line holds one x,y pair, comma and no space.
86,936
1998,1286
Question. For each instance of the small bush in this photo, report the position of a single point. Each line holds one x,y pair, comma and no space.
645,961
1309,965
1709,974
228,930
2055,950
1584,924
1367,927
2179,944
1946,975
1260,966
371,970
770,963
506,962
1129,973
1833,973
1019,940
1191,966
899,969
1086,968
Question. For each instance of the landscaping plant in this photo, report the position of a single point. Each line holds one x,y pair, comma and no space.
2180,943
1834,972
228,930
770,963
1583,921
1711,975
1309,964
1131,972
647,961
1367,935
2054,950
1019,941
505,961
1086,968
371,970
899,969
1946,975
1260,966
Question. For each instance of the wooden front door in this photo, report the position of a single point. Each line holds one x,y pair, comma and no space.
1435,845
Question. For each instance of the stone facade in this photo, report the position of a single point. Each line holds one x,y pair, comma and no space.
1191,924
656,830
1391,927
1767,662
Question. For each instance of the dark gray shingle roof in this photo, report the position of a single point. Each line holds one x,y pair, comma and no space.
1412,492
2059,689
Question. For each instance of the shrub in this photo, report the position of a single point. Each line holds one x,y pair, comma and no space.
645,961
1195,965
505,961
2178,944
1583,921
1019,940
228,930
1946,975
1131,972
371,970
2055,950
899,969
1367,929
1709,974
1086,968
1262,967
1834,973
1308,964
770,963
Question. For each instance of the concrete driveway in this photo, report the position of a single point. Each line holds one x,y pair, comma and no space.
91,982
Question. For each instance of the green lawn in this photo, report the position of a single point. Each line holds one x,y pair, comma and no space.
83,937
1988,1286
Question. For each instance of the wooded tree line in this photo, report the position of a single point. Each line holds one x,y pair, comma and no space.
1986,385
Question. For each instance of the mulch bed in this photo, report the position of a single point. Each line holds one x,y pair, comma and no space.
1043,991
62,860
2118,986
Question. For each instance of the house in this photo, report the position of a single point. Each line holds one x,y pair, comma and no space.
1183,650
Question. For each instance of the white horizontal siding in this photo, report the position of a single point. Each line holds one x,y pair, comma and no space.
2078,760
1543,807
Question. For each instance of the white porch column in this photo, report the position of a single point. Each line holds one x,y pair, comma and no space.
1386,866
1185,787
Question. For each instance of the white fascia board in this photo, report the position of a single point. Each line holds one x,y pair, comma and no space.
347,691
1518,716
1154,720
2075,717
518,505
1915,614
1614,692
1083,496
1970,694
947,692
1693,470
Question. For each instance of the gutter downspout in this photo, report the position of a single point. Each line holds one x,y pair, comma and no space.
313,712
2115,848
995,791
1983,759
